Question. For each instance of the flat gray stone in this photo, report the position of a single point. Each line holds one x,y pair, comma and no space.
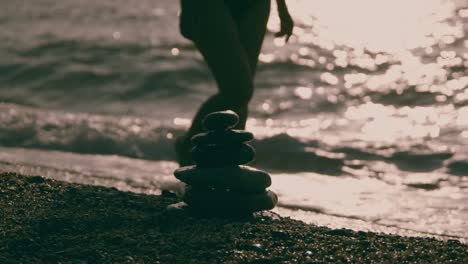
215,156
226,137
220,201
238,178
221,120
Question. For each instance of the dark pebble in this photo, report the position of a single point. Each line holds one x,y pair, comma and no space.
35,179
222,156
221,120
453,241
341,232
237,178
365,243
401,246
219,137
222,201
279,234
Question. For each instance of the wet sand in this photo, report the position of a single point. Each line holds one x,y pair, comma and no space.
49,221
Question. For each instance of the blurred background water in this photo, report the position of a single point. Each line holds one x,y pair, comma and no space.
362,118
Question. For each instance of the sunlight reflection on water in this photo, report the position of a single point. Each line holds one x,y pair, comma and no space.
378,26
389,78
388,51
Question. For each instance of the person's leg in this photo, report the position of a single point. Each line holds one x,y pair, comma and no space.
252,28
219,42
251,25
217,38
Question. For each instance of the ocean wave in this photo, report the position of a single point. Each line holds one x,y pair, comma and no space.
84,133
150,139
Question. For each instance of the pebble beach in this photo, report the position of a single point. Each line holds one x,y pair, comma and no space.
53,221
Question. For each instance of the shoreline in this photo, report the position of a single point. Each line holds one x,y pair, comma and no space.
50,221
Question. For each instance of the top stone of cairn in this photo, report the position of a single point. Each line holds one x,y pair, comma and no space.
221,120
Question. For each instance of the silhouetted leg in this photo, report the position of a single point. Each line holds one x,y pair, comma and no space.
216,36
252,26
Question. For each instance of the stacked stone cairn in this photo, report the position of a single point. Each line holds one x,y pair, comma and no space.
220,183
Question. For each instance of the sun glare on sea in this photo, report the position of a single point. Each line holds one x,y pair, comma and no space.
377,25
368,47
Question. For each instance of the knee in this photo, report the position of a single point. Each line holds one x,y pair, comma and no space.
239,97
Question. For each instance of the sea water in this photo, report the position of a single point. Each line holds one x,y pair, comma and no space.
362,119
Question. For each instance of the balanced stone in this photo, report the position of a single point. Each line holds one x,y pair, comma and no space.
215,156
221,120
225,137
223,201
238,178
218,183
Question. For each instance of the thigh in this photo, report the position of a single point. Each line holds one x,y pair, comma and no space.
251,25
216,36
